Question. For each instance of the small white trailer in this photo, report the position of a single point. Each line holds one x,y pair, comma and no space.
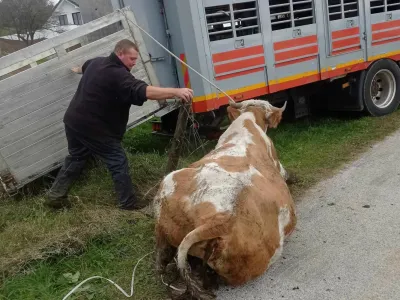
36,86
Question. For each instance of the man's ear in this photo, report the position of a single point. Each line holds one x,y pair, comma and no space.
233,113
274,118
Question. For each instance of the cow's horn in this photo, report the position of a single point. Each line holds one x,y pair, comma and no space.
284,106
234,104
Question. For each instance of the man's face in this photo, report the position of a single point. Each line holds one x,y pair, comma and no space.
128,57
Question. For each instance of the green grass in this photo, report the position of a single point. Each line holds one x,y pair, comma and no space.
94,238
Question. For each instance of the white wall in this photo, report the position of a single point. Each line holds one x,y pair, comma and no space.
67,8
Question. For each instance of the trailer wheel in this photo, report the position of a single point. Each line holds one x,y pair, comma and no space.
381,88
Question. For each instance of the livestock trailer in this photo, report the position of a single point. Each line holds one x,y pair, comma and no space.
270,49
281,49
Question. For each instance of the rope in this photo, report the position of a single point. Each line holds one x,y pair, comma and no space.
110,281
196,136
177,58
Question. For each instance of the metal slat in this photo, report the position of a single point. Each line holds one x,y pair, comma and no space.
303,18
302,2
248,27
279,5
303,10
218,32
282,22
246,10
247,19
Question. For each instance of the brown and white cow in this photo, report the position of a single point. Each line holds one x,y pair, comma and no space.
234,201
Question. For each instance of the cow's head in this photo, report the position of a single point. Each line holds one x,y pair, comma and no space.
265,114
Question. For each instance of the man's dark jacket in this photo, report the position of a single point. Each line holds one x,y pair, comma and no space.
100,106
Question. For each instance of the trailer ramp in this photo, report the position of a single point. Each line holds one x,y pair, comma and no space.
37,84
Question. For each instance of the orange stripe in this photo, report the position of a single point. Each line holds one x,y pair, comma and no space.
345,33
385,25
187,79
312,39
296,53
346,42
215,103
385,42
395,57
296,61
237,65
185,71
345,70
293,83
223,77
234,54
386,34
346,50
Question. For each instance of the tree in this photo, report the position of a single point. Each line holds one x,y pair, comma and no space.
26,17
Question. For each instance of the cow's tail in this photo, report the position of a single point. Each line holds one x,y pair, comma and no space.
216,226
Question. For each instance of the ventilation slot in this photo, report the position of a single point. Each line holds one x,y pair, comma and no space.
377,6
281,15
380,6
291,13
246,18
303,12
393,5
342,9
219,22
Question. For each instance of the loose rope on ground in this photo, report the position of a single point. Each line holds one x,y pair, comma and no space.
110,281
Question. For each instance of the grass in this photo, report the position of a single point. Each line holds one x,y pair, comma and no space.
39,247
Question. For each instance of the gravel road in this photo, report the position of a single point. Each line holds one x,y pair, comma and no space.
347,242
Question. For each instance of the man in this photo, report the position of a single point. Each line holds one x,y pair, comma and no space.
96,120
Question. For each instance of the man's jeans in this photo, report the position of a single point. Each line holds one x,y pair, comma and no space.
109,151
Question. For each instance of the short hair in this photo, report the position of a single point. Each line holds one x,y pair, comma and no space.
124,45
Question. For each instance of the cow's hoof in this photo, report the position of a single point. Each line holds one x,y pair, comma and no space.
292,178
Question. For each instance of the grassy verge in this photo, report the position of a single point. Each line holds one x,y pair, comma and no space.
39,247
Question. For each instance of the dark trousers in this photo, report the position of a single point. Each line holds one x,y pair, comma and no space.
109,150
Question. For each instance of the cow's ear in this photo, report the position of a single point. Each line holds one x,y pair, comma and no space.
233,113
274,118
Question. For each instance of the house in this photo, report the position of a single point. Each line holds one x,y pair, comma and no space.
67,13
94,9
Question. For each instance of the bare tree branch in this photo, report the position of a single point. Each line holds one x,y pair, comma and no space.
26,17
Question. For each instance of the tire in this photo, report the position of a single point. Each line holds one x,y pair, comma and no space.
380,90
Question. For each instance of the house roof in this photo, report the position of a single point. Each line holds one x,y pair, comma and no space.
70,1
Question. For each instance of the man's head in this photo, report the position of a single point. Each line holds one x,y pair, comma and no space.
127,52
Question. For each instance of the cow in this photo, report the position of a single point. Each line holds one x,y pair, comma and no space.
233,208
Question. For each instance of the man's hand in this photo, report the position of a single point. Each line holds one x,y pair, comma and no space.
77,70
159,93
185,94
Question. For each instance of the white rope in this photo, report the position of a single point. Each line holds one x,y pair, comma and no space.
110,281
181,61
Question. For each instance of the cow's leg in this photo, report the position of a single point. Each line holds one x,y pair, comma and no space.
209,276
216,226
164,251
